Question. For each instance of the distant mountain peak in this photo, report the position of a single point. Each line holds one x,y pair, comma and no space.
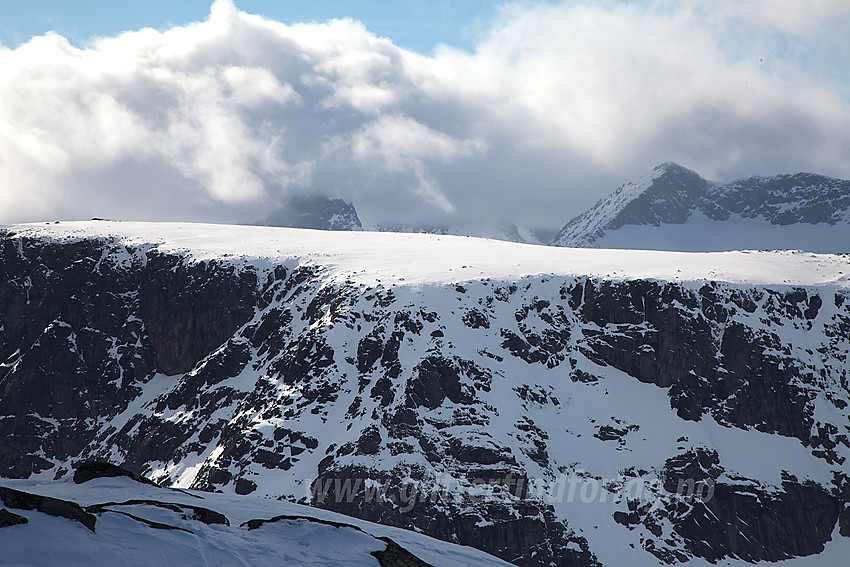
673,195
316,212
670,166
631,203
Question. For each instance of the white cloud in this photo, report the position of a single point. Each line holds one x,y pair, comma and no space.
558,104
789,16
401,144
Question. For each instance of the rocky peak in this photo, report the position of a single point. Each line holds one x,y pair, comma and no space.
674,195
664,195
317,212
668,198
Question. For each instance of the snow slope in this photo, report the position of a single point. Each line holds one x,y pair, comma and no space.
416,259
119,539
699,234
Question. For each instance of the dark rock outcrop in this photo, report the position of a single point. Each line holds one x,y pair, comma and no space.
688,344
90,470
198,513
752,524
17,499
8,519
397,556
189,311
99,332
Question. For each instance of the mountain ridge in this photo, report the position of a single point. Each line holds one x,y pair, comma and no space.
542,404
672,195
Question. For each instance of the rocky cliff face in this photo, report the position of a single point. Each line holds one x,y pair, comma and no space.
567,420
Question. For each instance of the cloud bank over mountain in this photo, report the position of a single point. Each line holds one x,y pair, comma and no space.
557,105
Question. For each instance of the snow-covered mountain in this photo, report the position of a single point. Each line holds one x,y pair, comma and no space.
100,516
316,212
673,208
546,405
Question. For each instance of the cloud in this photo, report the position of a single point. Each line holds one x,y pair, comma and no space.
787,16
557,105
399,144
